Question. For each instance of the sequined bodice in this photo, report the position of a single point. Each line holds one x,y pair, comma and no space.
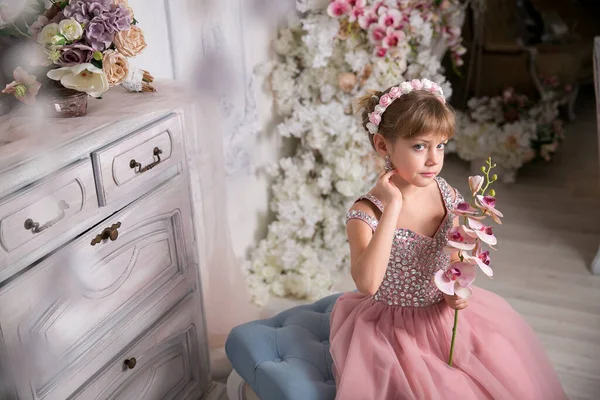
414,258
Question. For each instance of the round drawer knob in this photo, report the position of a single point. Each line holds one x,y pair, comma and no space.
131,363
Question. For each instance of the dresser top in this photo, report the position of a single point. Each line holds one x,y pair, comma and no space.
32,147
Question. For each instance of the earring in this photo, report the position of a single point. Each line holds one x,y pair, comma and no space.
388,164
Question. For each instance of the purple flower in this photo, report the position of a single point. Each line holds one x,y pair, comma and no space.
84,10
75,54
102,19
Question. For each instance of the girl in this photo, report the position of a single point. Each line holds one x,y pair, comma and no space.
391,339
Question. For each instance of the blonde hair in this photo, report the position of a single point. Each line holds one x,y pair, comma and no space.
413,114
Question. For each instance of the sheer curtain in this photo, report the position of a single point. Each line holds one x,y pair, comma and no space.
210,57
226,294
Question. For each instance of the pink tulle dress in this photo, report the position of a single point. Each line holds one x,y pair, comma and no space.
395,344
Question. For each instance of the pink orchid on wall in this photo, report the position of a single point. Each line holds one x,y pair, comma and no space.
468,238
386,23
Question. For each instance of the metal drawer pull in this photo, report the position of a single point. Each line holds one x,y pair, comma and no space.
134,164
35,226
111,233
131,363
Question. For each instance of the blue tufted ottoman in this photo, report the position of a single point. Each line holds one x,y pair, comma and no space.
286,357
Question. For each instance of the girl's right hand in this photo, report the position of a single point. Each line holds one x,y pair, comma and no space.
386,191
455,302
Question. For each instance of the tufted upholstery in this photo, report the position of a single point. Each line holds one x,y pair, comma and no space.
286,357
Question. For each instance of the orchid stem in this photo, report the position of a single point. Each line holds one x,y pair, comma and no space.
487,174
453,337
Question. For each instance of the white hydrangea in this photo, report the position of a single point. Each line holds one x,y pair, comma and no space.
320,31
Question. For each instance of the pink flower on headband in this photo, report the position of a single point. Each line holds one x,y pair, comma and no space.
385,100
375,118
395,92
416,84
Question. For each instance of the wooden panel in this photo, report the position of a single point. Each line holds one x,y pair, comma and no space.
82,297
50,206
157,150
167,363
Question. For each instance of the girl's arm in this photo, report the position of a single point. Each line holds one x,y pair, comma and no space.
370,252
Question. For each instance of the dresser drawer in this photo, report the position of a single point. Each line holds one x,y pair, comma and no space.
113,281
163,363
140,161
33,217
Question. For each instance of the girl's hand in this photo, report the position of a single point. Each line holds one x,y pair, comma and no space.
386,191
455,302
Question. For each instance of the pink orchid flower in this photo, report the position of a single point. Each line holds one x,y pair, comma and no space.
377,33
456,280
483,231
356,14
393,38
368,18
338,8
464,209
461,238
487,204
380,51
481,259
475,183
391,19
25,87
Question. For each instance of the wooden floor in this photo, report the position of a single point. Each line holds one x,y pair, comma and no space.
550,235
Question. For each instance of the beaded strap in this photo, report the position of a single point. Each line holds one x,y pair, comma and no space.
446,192
458,198
373,200
363,216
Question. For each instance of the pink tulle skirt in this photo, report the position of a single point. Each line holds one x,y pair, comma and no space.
389,352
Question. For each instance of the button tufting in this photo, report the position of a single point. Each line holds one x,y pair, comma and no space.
277,359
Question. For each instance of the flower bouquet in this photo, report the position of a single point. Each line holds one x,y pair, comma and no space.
85,46
467,239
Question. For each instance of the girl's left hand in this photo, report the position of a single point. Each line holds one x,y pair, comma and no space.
455,302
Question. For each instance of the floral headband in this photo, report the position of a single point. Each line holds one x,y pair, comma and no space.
397,91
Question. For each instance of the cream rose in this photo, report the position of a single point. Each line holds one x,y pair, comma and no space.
70,29
130,42
47,33
115,66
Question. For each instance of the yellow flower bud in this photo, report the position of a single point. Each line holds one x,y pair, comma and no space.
482,169
494,177
492,192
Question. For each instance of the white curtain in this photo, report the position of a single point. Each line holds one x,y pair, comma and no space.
218,80
226,296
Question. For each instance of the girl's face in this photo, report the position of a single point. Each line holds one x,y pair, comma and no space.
418,160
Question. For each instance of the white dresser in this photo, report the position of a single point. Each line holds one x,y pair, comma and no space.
100,294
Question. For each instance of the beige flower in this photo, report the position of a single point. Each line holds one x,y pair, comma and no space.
115,66
347,81
125,4
130,42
